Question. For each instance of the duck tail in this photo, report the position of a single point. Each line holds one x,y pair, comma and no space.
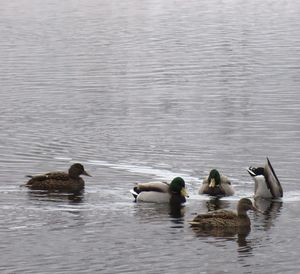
134,193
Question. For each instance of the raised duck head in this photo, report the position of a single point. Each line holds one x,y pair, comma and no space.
244,205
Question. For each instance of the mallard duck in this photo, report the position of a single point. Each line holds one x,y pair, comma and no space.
216,185
267,184
161,192
59,181
225,218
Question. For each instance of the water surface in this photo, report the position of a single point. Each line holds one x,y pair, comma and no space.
143,90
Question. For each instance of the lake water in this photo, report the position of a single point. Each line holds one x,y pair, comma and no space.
138,90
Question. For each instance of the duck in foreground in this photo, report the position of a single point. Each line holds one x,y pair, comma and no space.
267,184
216,185
59,181
222,219
161,192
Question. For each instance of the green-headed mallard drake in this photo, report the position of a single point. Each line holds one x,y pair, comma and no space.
225,218
59,181
266,182
216,185
161,192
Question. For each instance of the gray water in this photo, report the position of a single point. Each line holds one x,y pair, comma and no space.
140,90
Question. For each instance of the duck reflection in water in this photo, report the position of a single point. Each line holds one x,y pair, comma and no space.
55,197
156,212
271,209
225,223
176,209
215,203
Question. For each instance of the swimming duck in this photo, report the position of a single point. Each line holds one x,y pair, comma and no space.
225,218
216,185
161,192
59,181
267,184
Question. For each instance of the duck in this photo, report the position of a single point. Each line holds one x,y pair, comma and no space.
59,181
266,181
161,192
216,185
225,218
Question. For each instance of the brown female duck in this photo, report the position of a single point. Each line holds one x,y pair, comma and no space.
224,218
59,181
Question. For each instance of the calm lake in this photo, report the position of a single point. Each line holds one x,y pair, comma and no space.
140,90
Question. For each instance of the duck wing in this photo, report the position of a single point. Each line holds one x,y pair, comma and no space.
272,181
47,176
58,176
225,180
152,186
151,191
226,186
217,213
218,218
204,186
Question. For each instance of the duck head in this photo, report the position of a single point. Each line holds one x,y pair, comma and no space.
76,170
244,205
214,178
177,186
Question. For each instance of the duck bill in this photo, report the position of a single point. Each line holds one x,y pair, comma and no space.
212,183
184,192
86,174
251,172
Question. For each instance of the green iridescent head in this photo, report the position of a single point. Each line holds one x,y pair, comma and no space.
177,186
214,178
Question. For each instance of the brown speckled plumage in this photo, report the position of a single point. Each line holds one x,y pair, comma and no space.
60,181
225,218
